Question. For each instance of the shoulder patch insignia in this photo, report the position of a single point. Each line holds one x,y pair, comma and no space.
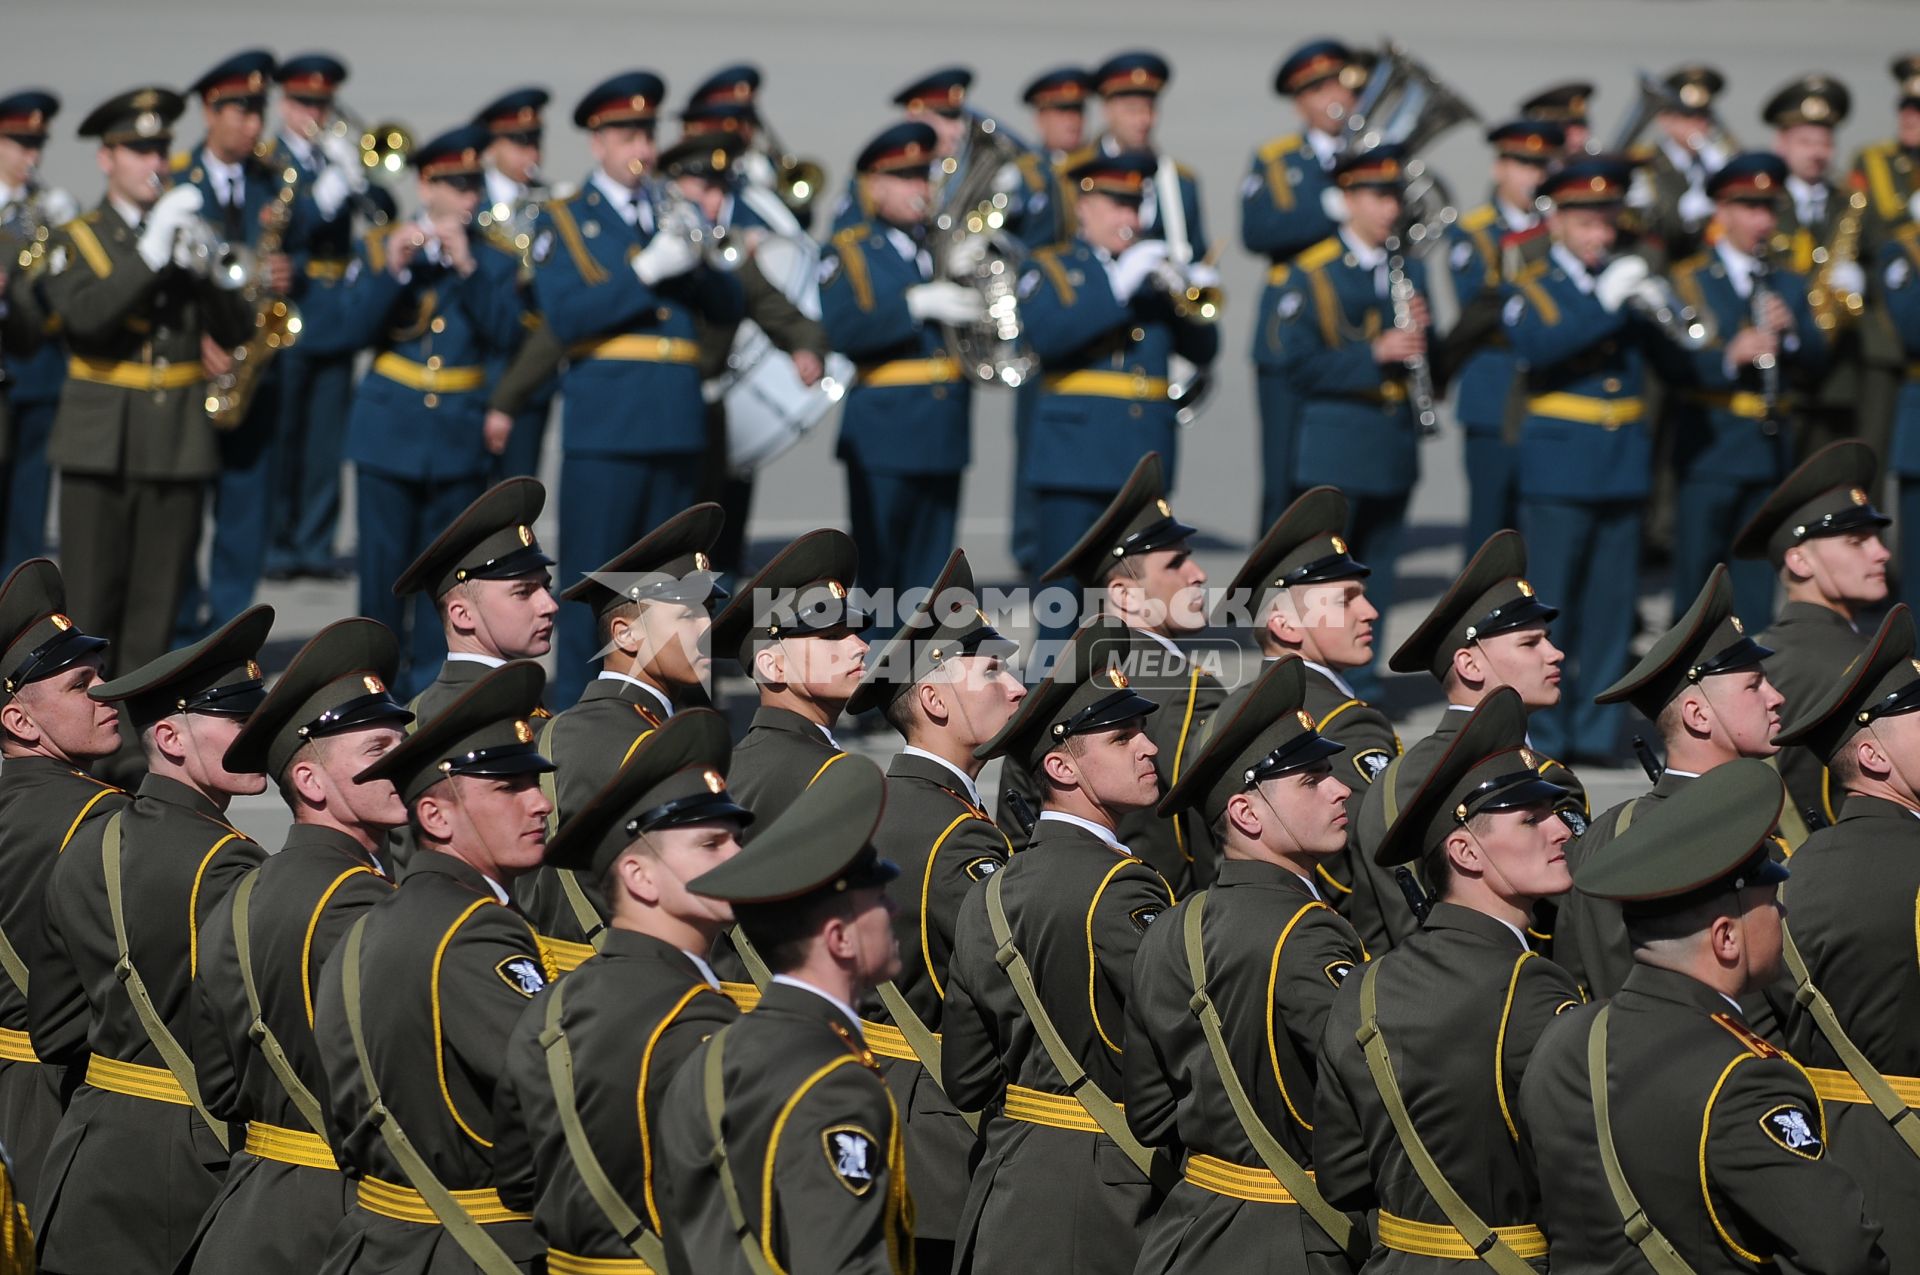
1372,762
1758,1046
542,247
1793,1129
981,868
1462,253
1337,972
851,1152
829,267
523,974
1574,820
1511,312
1250,185
1143,917
1898,272
1290,303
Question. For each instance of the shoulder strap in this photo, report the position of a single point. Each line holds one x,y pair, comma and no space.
1487,1246
1653,1245
1388,798
1179,756
169,1049
714,1093
756,968
626,1223
585,915
16,969
1298,1182
1888,1103
1092,1099
922,1039
550,786
257,1030
472,1238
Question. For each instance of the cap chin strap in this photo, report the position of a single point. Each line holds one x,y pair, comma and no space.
1893,764
1259,789
482,832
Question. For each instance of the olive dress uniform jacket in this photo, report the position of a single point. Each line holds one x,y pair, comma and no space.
446,971
1371,746
1890,174
588,744
1719,1135
124,321
1078,909
1275,956
632,1015
1461,1006
128,1177
1899,279
1281,216
774,762
1590,937
812,1139
1812,646
1852,903
272,1213
632,381
909,410
944,842
1103,394
1388,913
44,804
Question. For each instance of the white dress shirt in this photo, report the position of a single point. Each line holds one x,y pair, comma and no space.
966,781
666,705
1099,830
828,997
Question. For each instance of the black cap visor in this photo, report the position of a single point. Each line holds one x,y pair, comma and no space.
1305,750
1104,714
62,650
700,807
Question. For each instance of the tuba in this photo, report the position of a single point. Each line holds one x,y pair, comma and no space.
1653,98
966,208
1404,104
797,180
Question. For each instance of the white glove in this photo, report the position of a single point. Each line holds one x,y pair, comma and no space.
1653,293
1333,202
1847,276
1135,266
57,207
756,168
1696,206
343,153
173,212
330,190
944,301
966,256
1202,274
1620,280
667,257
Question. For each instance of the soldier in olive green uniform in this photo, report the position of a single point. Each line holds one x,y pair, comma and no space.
1821,531
137,1159
797,634
327,719
943,682
487,583
1712,1136
1487,631
1304,594
1136,562
597,1051
1442,1026
49,732
1037,1037
1271,956
487,580
413,1008
1704,688
651,607
132,440
781,1145
1856,886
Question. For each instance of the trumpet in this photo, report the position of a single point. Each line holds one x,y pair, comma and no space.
1193,301
719,247
797,181
1681,324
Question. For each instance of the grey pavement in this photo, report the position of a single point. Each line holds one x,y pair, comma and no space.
830,69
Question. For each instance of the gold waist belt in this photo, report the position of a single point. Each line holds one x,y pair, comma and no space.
1055,1111
1239,1181
135,376
135,1080
404,1204
1426,1239
289,1146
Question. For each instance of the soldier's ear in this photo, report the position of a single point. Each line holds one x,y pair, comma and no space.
1870,756
1467,666
1243,814
1464,854
770,664
19,723
1059,767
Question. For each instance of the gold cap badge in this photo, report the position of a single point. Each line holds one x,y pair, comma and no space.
715,784
373,684
1166,510
1305,719
60,622
1857,496
526,534
1339,545
837,589
1117,679
1527,758
700,561
1737,626
1526,590
523,732
253,669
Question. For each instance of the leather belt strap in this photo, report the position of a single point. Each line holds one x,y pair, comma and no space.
1465,1236
1237,1181
289,1146
1742,403
1607,413
1895,1105
427,378
937,370
559,1263
1429,1239
135,376
16,1046
1653,1245
136,1080
404,1204
635,347
1127,385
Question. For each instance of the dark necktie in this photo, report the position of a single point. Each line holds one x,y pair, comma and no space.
232,212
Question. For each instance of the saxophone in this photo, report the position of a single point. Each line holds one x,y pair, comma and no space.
276,323
1834,308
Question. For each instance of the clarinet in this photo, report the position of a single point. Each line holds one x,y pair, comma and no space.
1768,364
1419,371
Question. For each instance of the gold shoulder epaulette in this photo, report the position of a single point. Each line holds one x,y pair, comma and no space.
1075,157
1278,147
1756,1045
178,161
1184,171
1321,254
853,235
1689,265
1531,271
1479,219
1909,234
